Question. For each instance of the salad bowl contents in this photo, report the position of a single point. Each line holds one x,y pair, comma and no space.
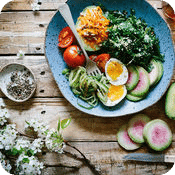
126,49
95,29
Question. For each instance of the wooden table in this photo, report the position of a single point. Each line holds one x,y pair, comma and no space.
22,29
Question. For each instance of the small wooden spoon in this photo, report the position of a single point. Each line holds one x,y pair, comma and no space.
168,10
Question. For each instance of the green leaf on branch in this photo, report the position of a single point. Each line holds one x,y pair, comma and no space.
30,152
59,125
25,160
65,123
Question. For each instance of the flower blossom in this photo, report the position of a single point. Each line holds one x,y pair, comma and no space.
54,141
8,136
28,165
5,163
3,116
40,127
20,54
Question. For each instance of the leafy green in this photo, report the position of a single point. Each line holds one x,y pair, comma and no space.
130,39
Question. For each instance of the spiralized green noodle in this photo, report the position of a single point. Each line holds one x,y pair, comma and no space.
88,88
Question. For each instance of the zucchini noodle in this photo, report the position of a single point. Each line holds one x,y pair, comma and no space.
91,89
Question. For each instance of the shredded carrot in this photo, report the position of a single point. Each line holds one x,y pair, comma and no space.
93,26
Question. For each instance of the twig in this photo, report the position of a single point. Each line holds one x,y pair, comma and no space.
23,134
59,165
88,163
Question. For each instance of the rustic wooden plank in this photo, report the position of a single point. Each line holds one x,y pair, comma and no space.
26,5
26,31
107,157
23,30
51,5
65,171
161,169
83,126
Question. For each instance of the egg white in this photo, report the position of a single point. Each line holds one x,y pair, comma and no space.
122,79
113,103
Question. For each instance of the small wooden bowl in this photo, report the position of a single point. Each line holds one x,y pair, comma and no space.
6,78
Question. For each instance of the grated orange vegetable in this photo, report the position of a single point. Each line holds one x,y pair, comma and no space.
93,26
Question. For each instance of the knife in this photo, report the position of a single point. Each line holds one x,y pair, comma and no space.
149,157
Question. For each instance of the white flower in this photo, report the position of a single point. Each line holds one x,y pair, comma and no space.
35,6
3,115
21,144
7,137
5,163
37,145
20,54
40,127
28,165
54,141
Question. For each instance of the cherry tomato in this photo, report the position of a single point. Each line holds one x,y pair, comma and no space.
66,37
73,56
102,60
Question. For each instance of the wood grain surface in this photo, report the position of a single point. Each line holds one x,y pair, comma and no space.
22,29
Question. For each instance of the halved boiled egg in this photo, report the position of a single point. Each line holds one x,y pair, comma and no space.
115,95
116,72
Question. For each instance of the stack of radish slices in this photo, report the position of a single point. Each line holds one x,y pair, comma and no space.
156,133
140,81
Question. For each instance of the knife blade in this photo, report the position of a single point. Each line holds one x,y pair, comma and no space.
149,157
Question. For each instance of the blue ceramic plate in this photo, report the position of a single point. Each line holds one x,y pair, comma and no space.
143,10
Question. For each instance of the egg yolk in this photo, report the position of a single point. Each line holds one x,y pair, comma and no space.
115,92
114,70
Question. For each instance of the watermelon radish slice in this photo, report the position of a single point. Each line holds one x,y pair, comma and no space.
170,102
154,74
134,98
161,70
124,139
133,78
157,134
143,85
135,127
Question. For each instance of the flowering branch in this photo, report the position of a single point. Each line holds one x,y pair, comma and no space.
16,147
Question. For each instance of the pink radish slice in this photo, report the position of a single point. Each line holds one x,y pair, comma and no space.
125,141
135,127
157,134
154,74
143,85
133,77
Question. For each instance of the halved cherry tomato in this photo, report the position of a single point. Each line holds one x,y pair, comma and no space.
73,56
66,37
102,60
